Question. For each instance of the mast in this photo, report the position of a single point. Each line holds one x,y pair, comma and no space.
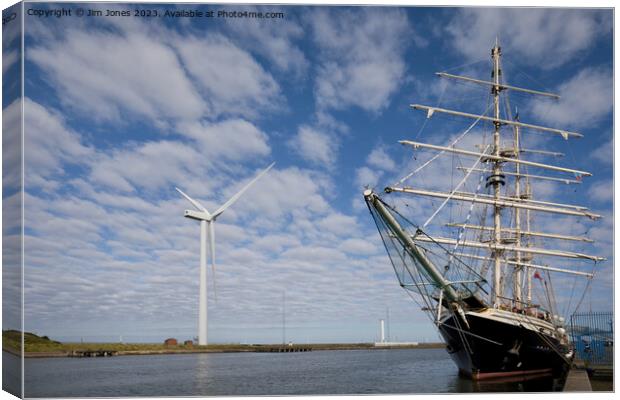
495,180
518,269
528,190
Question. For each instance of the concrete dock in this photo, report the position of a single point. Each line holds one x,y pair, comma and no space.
577,381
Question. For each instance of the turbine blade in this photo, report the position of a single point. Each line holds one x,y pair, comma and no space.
236,196
195,203
212,251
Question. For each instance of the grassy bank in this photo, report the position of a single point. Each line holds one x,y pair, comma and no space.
12,340
43,346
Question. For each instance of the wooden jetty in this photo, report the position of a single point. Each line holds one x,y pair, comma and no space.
92,353
288,349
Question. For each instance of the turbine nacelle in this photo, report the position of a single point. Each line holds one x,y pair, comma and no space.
198,215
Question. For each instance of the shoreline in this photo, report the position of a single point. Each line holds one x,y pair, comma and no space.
267,348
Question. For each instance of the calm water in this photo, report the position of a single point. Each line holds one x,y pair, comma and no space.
317,372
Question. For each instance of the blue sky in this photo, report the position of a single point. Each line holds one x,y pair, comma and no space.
119,111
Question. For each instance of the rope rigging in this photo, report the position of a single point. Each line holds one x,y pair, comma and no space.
455,141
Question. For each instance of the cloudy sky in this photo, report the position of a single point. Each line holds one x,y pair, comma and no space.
120,110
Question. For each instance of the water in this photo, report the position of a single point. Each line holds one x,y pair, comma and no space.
319,372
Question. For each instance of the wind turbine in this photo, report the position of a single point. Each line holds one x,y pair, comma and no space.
207,221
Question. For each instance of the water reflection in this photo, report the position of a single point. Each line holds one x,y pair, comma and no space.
201,373
515,384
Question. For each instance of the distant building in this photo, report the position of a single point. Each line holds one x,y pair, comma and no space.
188,343
170,342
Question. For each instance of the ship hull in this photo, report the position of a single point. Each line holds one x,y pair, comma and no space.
494,348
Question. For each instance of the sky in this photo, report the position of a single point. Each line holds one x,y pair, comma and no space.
119,111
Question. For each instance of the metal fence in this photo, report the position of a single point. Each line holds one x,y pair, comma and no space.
593,337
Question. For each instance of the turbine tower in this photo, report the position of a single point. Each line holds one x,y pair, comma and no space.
207,221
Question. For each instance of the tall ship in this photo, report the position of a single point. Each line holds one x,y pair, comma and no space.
472,256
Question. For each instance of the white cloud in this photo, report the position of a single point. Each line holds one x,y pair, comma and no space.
282,192
49,145
12,145
361,57
275,243
338,224
605,152
366,85
328,122
134,167
8,59
545,37
315,146
273,39
107,76
179,163
231,140
158,73
315,254
545,189
48,140
602,192
585,100
379,158
378,165
366,177
234,83
360,246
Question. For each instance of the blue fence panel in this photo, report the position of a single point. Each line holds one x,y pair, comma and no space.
592,337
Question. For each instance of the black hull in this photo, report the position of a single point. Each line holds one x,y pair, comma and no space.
491,349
